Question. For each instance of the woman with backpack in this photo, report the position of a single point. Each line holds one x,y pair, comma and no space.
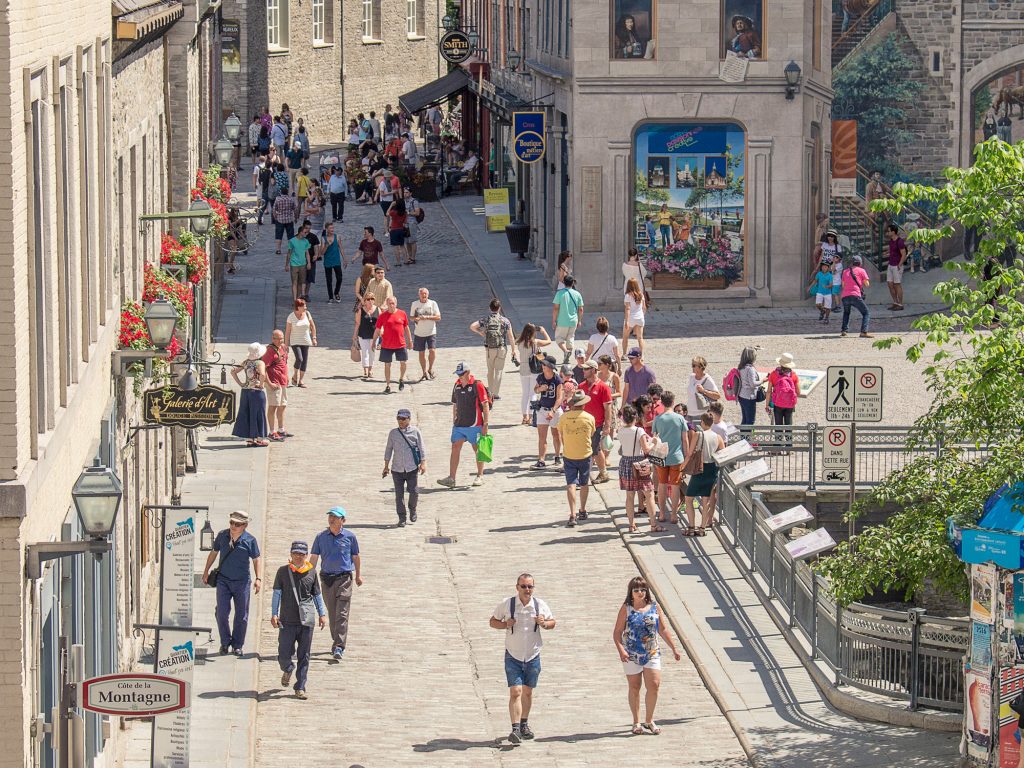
743,384
782,391
529,348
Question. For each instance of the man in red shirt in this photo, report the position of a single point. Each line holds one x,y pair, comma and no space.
396,338
370,249
601,407
276,360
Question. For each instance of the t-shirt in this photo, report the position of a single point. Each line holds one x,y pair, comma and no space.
371,250
604,344
569,301
393,325
670,428
301,335
506,326
297,251
307,587
424,327
237,566
631,441
600,395
577,427
302,186
896,248
314,241
521,641
691,393
823,283
547,396
638,381
277,365
466,399
854,280
386,191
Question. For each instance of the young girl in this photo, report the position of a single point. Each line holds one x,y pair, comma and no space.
821,287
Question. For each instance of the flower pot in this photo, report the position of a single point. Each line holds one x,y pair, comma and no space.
666,281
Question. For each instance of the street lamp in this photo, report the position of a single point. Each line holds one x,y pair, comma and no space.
188,381
200,222
161,319
233,128
448,23
206,536
792,73
223,151
474,40
514,58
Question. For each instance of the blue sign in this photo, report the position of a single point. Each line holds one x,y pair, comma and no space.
527,121
528,136
1003,549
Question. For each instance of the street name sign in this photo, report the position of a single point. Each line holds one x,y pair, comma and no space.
854,393
135,695
836,454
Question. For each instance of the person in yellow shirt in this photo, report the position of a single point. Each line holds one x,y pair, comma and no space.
577,428
664,219
302,187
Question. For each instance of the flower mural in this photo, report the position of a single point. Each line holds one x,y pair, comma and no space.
706,259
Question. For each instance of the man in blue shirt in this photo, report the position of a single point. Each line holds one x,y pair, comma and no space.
339,551
236,547
566,316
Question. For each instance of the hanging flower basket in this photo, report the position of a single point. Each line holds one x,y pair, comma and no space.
185,249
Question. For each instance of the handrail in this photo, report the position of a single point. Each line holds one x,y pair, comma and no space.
871,14
926,219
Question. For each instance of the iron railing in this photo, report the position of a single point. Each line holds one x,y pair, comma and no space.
905,655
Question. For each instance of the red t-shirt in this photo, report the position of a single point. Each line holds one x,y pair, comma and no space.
600,395
397,220
277,364
394,325
371,250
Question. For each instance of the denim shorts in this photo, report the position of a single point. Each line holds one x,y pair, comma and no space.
577,471
470,434
522,672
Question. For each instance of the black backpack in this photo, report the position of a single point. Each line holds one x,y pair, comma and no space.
512,612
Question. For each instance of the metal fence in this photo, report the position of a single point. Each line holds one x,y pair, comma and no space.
794,453
904,655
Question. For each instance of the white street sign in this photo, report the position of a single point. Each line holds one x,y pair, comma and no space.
854,393
137,695
175,657
812,544
788,519
836,454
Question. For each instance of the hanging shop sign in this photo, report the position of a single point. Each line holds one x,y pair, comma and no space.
135,695
205,406
528,136
455,47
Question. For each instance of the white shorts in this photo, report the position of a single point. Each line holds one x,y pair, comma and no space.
894,275
542,417
632,668
566,334
277,396
823,300
637,323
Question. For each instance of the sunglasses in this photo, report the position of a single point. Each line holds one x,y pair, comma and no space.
238,525
525,586
403,418
639,589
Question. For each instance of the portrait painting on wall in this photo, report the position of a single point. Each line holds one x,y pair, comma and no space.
743,28
657,172
714,173
633,29
688,172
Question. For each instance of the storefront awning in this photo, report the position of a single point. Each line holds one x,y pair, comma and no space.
433,92
497,100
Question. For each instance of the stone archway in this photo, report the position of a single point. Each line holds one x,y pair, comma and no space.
984,72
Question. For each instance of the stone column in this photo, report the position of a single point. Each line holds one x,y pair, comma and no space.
758,214
618,211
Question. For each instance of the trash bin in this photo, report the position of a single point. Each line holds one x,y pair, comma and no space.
518,234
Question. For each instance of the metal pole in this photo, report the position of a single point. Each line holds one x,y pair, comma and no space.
812,455
853,477
914,616
814,614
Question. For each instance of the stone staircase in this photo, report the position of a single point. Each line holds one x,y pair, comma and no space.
849,217
878,14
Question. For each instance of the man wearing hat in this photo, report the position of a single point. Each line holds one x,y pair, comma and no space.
471,412
296,596
550,387
236,547
339,550
385,191
602,408
577,428
405,458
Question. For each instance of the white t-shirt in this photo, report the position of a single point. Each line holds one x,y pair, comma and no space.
631,440
409,150
636,310
633,272
691,394
521,641
387,192
603,345
424,327
300,335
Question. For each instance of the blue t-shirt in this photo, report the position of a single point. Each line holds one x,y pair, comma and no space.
335,552
823,283
547,396
568,301
671,427
236,567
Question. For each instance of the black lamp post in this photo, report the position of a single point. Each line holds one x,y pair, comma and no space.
792,73
514,58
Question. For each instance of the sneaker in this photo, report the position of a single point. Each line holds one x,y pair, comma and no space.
898,308
538,465
401,523
866,335
401,385
477,481
276,437
412,517
301,694
286,678
842,333
223,650
515,738
239,652
583,515
447,482
558,461
387,390
571,523
337,653
525,732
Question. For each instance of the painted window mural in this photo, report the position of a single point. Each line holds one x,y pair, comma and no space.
633,29
999,108
689,203
743,28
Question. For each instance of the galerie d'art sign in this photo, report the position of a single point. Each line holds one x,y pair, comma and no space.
206,406
455,47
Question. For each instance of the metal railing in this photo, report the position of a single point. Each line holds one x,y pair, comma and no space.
907,655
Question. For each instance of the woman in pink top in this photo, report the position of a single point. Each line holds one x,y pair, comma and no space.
855,282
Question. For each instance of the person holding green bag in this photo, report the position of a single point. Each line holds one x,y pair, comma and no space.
471,411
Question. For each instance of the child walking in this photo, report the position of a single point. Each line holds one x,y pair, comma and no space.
821,287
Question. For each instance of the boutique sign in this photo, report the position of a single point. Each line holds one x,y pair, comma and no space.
136,695
528,136
205,406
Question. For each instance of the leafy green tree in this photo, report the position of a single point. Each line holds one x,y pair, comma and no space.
974,369
876,89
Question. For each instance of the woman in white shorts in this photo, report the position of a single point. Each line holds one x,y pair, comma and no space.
635,310
637,629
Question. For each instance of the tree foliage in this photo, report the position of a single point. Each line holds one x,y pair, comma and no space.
653,195
974,369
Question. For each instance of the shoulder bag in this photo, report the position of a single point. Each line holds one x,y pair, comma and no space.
415,450
535,364
703,401
658,452
694,463
214,574
642,467
307,611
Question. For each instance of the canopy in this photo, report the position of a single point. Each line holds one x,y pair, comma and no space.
435,91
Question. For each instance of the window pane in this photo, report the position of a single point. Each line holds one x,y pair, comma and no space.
273,29
318,20
410,17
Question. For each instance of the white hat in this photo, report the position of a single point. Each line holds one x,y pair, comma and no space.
785,360
257,350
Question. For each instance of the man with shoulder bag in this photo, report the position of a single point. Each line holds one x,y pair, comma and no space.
236,547
405,459
339,549
297,606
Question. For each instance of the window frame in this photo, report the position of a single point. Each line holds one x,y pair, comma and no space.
280,9
318,8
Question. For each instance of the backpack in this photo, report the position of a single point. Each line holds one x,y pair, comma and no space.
420,215
512,612
493,336
784,392
731,384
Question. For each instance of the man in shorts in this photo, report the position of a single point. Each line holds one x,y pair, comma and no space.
425,314
671,429
522,617
393,331
471,412
566,316
276,361
578,430
894,274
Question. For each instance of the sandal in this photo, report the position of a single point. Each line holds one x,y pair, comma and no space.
634,529
300,384
637,729
702,531
689,532
658,529
260,444
652,728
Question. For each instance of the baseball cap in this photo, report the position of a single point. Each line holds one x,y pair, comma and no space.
857,259
404,413
300,546
337,512
634,352
580,353
461,368
589,364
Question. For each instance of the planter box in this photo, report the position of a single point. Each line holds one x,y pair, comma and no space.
665,281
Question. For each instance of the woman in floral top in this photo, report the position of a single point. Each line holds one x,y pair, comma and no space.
637,629
251,422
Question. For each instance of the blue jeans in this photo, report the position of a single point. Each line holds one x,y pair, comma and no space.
666,234
237,592
522,672
849,302
297,640
748,409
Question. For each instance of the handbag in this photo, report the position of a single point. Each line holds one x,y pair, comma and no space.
642,467
760,395
485,448
307,611
658,452
415,451
354,352
214,574
694,463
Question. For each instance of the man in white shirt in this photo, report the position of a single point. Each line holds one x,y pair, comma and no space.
522,618
425,313
453,176
409,151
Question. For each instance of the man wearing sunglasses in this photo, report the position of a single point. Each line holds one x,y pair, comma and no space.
236,547
521,618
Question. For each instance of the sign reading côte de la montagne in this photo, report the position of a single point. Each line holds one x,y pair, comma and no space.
205,406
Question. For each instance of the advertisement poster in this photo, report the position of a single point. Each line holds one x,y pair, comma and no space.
178,567
1007,605
1011,683
983,592
978,716
230,45
496,212
981,648
175,658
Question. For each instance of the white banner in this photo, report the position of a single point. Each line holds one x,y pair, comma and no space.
175,658
177,567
